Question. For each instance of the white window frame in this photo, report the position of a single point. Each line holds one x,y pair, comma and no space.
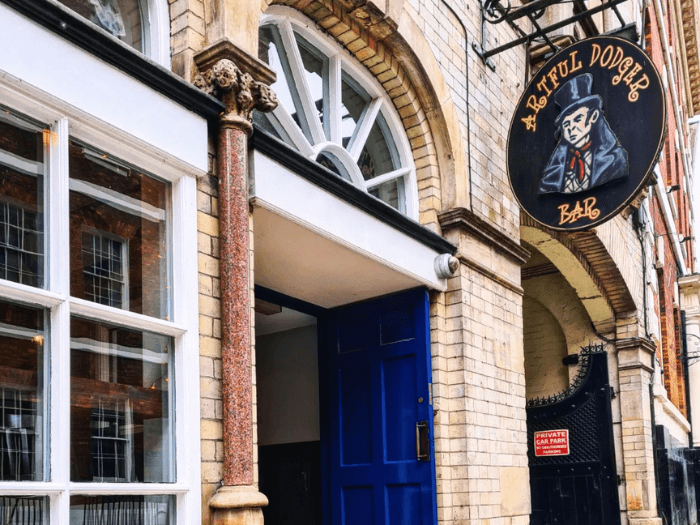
94,232
67,122
155,29
288,21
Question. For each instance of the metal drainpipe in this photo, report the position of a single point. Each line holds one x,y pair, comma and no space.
639,226
686,377
466,99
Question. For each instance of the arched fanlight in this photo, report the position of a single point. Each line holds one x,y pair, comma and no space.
335,112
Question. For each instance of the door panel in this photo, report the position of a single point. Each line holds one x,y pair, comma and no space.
377,356
400,417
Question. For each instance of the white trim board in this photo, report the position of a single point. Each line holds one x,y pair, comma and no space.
66,72
284,193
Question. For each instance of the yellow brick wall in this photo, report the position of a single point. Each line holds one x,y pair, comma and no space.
545,346
212,447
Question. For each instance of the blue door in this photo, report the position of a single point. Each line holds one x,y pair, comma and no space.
376,413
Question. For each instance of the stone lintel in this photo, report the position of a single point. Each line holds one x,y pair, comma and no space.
469,222
635,353
246,62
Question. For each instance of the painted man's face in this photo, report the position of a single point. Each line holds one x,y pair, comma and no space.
576,127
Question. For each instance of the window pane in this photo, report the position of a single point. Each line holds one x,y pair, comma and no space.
376,157
354,100
104,269
269,53
121,18
24,510
315,69
122,510
390,192
21,201
22,418
118,235
271,124
121,409
330,161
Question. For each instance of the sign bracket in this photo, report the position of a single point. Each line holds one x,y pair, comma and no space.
495,12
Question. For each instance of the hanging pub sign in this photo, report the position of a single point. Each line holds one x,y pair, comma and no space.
586,133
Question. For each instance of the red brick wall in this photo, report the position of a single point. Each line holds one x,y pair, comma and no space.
671,168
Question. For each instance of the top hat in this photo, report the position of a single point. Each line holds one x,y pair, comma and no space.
574,94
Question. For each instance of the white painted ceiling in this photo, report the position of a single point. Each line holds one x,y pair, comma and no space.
287,319
306,265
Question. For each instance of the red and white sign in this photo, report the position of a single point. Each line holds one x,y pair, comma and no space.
552,443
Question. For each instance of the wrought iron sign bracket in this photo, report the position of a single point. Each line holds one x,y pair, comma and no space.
495,12
691,357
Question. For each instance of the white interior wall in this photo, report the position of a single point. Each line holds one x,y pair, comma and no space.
287,386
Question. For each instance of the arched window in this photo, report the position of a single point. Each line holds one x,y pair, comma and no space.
335,112
123,19
141,24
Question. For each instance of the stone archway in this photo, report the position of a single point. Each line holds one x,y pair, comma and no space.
573,266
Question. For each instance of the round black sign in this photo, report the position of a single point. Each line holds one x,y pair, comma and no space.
586,133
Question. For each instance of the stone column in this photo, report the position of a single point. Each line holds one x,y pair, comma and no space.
690,304
635,367
479,379
242,83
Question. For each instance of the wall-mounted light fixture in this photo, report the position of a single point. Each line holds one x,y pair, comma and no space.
446,265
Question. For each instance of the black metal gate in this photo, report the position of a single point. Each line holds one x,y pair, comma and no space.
579,488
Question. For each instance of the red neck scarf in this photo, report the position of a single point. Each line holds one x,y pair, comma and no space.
577,158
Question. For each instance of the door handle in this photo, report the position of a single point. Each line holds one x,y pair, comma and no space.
422,441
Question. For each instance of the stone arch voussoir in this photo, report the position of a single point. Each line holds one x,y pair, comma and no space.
585,263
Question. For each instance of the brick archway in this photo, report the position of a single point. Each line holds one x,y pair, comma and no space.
586,264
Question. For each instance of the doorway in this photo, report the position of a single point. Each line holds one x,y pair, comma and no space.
289,455
345,428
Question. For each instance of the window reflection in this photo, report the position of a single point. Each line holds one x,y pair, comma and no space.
24,510
118,234
21,201
122,510
121,413
376,158
21,392
269,53
315,69
390,192
353,102
120,18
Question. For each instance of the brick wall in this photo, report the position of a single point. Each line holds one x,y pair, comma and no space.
209,339
479,392
490,100
187,35
545,346
671,168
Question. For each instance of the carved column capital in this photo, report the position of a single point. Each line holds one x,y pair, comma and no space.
239,80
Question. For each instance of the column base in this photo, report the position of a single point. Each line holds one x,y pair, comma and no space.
237,505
